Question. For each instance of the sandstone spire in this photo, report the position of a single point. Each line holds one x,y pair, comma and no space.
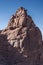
21,41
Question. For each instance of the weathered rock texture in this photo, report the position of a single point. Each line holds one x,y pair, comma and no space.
21,41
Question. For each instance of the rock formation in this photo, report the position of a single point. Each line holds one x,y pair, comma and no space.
21,41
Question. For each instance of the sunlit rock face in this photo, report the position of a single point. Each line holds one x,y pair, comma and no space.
21,41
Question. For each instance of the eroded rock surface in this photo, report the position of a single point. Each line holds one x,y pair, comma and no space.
21,41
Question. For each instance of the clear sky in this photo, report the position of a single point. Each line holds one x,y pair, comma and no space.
9,7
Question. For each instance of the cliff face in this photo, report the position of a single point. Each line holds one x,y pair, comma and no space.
21,41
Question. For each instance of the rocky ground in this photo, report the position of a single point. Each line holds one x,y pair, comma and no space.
21,41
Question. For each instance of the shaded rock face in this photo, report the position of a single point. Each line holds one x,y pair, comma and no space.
21,41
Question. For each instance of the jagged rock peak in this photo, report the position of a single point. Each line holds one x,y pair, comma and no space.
20,19
21,11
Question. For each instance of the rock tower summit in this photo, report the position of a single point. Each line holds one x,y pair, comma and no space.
20,19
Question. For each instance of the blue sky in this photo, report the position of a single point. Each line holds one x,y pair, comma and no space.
9,7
